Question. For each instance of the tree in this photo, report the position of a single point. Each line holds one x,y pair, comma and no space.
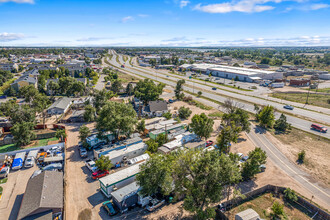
277,209
290,195
265,60
116,86
40,104
129,89
202,125
198,175
141,126
103,163
53,87
152,145
156,175
29,93
61,134
251,167
23,133
146,90
23,113
199,93
161,139
239,117
167,115
266,116
117,118
84,133
89,114
178,90
227,135
301,156
281,124
101,97
236,65
184,113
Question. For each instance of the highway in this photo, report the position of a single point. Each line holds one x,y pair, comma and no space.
260,140
296,122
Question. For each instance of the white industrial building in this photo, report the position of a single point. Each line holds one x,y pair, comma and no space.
230,72
324,76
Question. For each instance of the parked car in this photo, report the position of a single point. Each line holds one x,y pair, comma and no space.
319,128
98,174
83,152
262,167
29,162
214,88
288,107
4,172
240,155
170,101
209,143
109,208
245,158
90,164
154,204
53,166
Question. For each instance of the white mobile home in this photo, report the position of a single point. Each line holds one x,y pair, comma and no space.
117,156
119,179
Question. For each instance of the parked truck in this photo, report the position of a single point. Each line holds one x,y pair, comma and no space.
31,158
18,161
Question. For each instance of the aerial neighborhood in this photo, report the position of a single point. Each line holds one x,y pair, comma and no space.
164,133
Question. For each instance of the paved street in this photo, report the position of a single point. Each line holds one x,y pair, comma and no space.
218,96
100,83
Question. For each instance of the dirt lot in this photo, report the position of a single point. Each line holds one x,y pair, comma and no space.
317,152
262,205
81,192
13,191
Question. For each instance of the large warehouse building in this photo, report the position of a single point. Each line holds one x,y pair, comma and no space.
229,72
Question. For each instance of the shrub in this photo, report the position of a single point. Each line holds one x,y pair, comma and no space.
301,156
277,209
290,195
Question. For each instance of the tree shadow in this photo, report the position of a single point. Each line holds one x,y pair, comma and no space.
247,186
260,130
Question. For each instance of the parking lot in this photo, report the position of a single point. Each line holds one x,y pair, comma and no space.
13,191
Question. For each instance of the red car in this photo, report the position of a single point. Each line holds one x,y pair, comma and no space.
209,143
98,174
319,128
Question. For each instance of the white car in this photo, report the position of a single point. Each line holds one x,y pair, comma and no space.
90,164
4,172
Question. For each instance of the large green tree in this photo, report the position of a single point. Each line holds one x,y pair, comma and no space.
117,118
89,114
101,97
239,117
251,167
179,90
228,134
146,90
184,113
84,132
202,125
281,124
23,133
266,116
103,163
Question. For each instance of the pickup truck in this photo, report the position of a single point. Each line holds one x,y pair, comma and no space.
90,164
18,161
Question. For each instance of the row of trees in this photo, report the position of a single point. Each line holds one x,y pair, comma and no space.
265,116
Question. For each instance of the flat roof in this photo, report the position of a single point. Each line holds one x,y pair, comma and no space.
122,151
119,176
122,193
239,70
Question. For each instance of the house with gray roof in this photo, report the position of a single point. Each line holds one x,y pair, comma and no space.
24,80
60,106
43,195
34,73
156,108
8,66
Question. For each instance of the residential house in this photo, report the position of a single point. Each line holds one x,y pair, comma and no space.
8,66
60,106
24,81
156,108
77,116
43,197
34,73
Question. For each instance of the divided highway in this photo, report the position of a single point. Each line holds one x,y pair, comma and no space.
221,96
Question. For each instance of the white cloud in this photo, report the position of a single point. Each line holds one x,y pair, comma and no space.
175,39
246,6
184,3
10,36
319,6
93,38
18,1
127,18
143,15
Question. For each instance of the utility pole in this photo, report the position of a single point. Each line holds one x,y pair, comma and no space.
308,95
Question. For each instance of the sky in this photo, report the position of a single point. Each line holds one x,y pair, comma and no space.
179,23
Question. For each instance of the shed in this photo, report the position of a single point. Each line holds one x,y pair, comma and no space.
126,197
248,214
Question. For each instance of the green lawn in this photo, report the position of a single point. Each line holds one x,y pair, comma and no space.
314,99
13,147
215,115
4,180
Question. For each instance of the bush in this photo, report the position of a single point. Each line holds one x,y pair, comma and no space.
301,156
167,115
277,209
290,195
199,93
184,113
